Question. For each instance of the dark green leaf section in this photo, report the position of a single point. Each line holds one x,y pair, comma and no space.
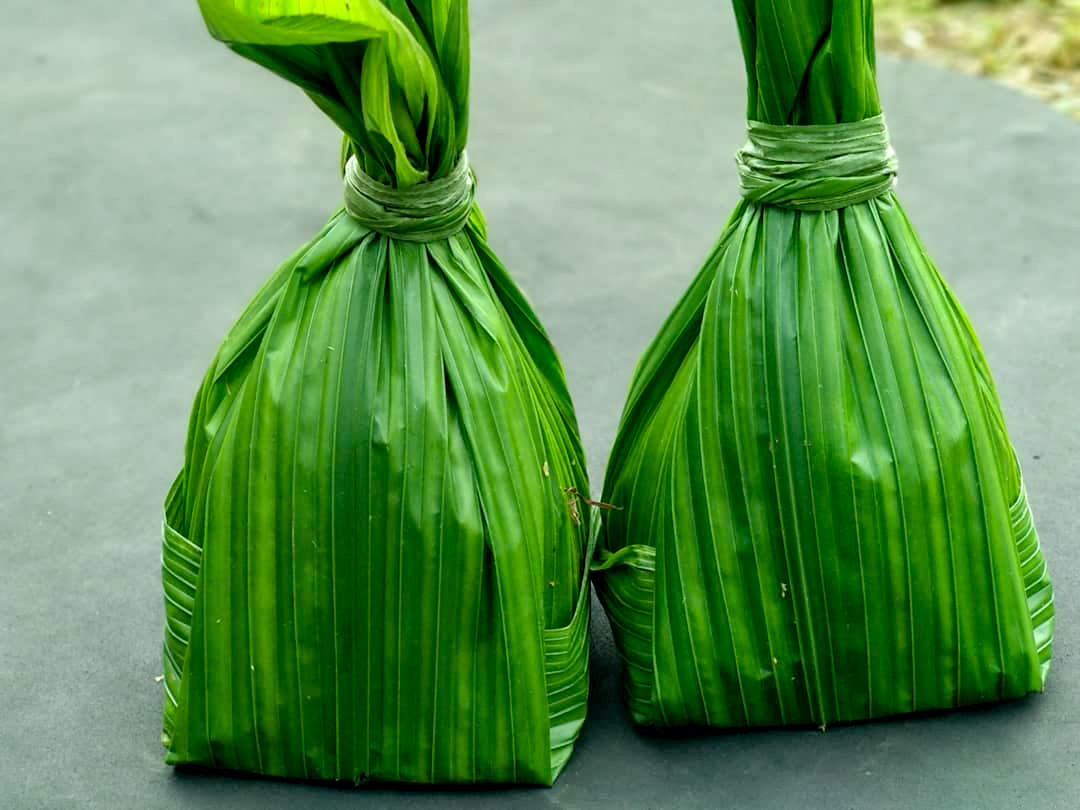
823,518
372,567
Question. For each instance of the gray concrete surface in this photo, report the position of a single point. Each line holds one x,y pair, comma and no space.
149,181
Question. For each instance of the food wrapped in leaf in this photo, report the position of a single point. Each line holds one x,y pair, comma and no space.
823,519
374,560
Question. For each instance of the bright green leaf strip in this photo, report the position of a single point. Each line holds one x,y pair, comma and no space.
298,22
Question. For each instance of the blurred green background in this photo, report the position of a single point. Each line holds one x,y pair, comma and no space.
1032,45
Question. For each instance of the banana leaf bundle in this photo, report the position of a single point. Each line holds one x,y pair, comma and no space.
374,560
822,516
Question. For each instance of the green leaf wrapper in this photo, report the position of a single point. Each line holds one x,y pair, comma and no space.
822,517
373,569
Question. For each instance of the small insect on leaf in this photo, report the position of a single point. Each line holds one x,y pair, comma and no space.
573,491
575,512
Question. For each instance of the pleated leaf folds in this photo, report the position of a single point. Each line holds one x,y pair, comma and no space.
822,517
372,567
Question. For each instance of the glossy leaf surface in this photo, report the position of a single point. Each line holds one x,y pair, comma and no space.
372,568
823,519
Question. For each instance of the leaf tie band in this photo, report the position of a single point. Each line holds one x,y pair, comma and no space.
818,167
425,212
